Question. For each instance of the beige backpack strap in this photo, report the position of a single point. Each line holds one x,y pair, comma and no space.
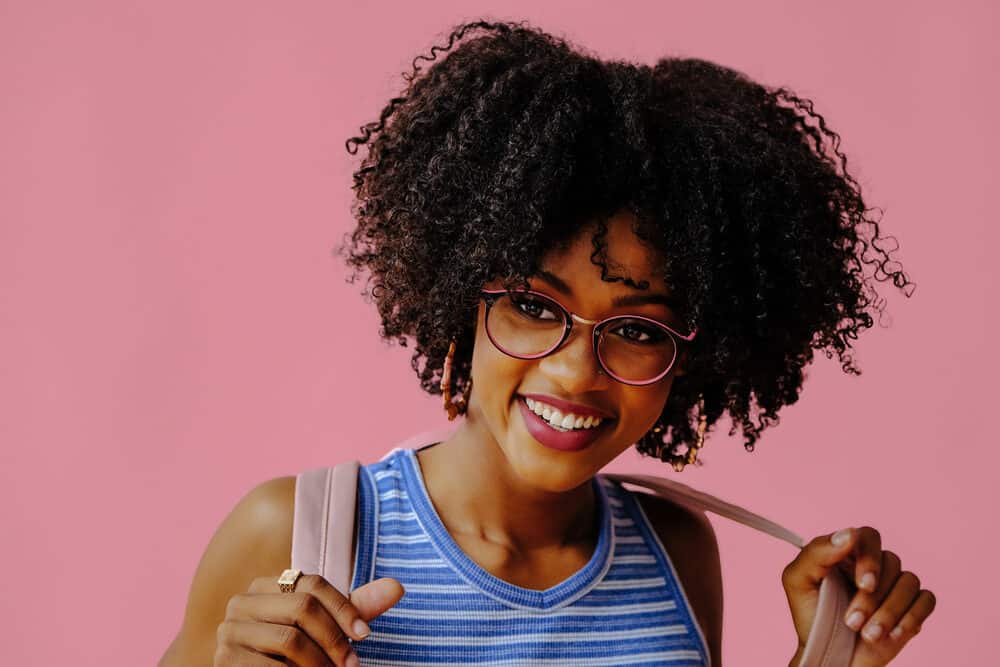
830,642
323,525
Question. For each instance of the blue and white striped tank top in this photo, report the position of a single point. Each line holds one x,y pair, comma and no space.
625,607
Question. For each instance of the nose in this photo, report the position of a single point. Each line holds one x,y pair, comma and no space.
574,365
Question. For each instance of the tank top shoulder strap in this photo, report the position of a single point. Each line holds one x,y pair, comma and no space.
327,539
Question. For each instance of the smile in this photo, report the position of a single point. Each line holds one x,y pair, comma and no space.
563,421
581,432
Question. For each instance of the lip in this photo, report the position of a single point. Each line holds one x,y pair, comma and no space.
566,406
567,441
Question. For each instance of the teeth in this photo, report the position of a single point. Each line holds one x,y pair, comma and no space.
560,420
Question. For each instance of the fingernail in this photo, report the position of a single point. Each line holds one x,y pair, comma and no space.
361,628
872,631
896,632
867,582
352,660
855,620
840,537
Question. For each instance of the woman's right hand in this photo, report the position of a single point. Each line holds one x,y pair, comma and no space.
308,627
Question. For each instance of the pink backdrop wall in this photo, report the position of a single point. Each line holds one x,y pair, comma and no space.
174,329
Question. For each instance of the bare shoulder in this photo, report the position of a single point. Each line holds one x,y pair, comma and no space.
253,540
690,541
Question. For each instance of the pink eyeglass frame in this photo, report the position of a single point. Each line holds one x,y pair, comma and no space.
491,296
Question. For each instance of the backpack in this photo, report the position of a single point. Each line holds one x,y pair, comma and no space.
323,533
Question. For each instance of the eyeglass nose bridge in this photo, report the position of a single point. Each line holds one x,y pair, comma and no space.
582,320
593,342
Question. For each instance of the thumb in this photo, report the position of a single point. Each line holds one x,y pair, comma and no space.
817,558
376,597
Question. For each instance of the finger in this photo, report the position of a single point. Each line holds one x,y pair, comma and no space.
364,603
337,604
911,622
868,555
286,641
815,560
902,595
863,605
375,597
302,610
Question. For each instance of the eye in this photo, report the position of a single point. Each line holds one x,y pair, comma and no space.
640,332
533,307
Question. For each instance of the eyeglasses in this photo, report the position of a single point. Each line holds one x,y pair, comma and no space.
633,349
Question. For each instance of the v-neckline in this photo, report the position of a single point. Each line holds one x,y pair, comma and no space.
561,594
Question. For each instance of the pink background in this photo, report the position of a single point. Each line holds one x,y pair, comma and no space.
174,329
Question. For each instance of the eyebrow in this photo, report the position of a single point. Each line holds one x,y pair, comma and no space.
623,300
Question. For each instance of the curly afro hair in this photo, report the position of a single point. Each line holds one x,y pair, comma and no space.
502,149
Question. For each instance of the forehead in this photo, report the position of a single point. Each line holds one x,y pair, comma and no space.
625,254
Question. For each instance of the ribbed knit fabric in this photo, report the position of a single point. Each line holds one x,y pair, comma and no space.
624,607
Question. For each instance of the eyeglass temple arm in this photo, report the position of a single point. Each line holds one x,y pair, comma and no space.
689,337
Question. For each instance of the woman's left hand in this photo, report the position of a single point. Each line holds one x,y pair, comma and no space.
893,604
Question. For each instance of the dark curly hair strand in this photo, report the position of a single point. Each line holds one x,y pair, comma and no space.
506,147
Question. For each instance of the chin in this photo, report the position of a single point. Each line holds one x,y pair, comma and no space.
546,467
548,470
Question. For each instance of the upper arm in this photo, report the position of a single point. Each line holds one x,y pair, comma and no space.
690,541
254,540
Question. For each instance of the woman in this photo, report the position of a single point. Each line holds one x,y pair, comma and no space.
590,256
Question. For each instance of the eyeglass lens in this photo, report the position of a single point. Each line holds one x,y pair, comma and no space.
529,325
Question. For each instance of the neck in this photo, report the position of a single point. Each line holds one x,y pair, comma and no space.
476,492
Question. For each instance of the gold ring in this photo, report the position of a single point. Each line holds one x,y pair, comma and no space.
287,580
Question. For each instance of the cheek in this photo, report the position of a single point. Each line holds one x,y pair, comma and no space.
494,369
643,406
